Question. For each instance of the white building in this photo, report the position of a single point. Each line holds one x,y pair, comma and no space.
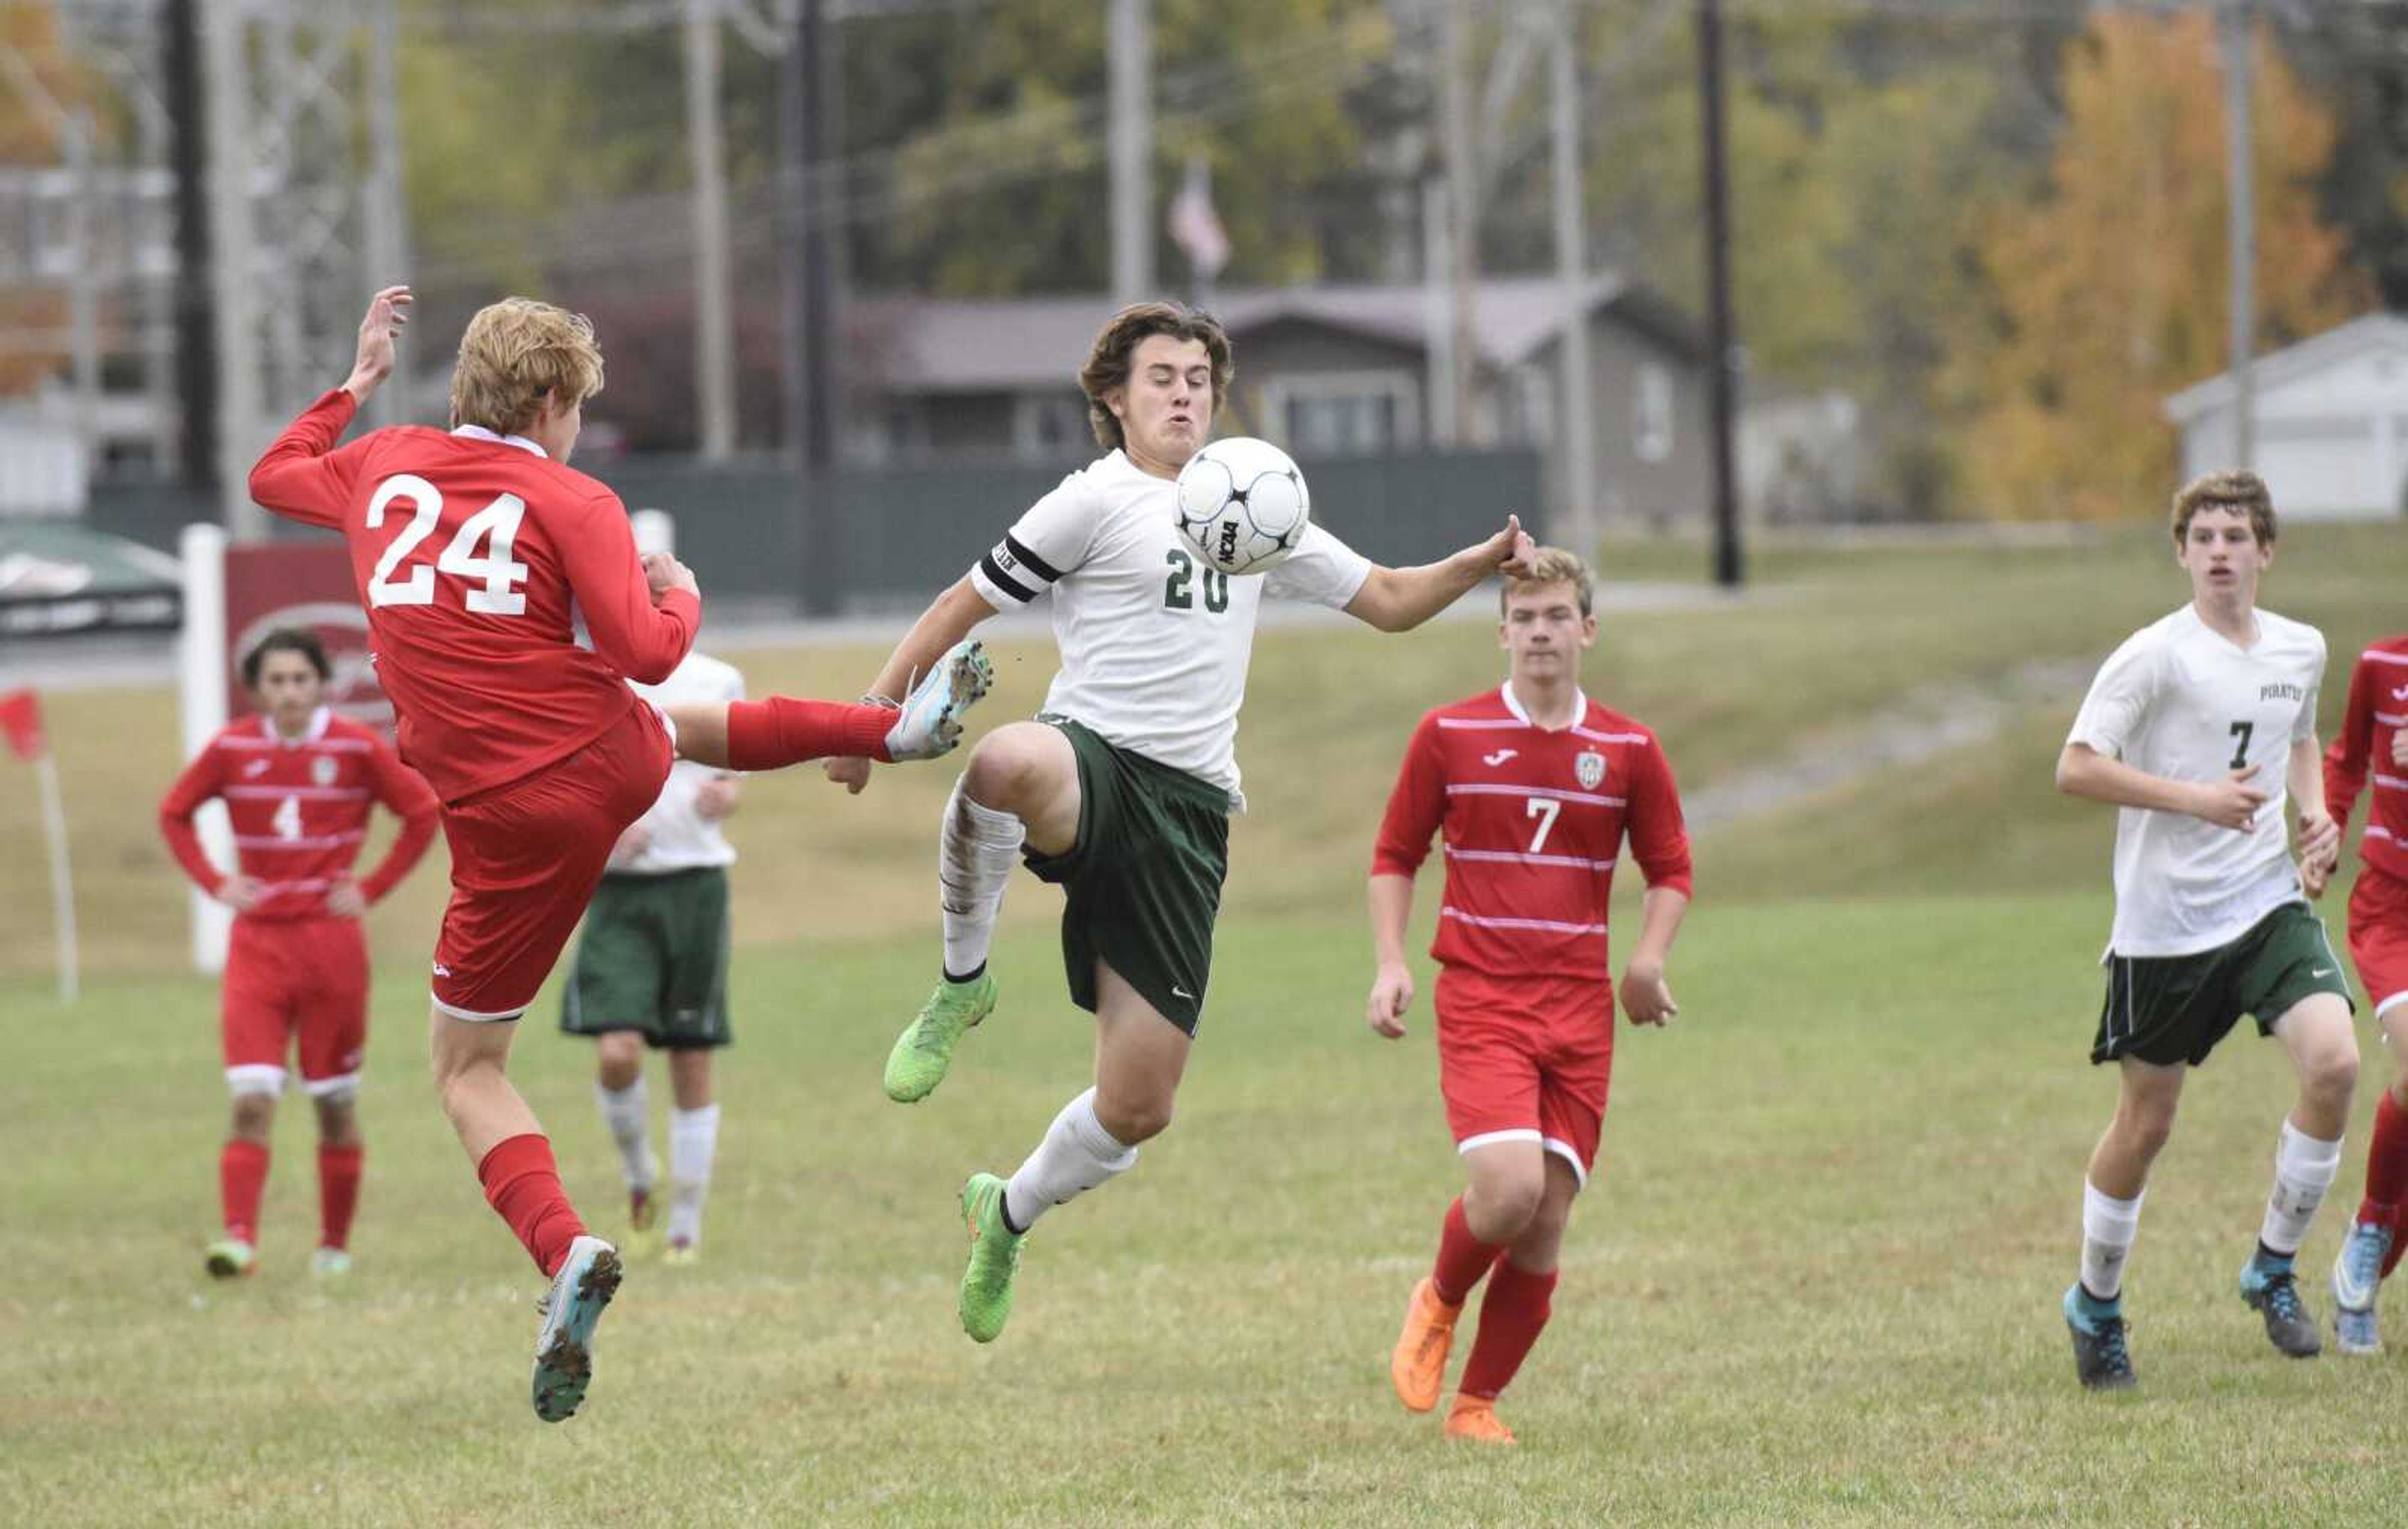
2331,422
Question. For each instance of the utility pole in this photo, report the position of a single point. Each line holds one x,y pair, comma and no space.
1571,265
1131,50
232,282
196,448
2241,226
384,239
715,321
1721,346
810,119
1463,214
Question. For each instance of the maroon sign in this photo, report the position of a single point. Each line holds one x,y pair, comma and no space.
303,584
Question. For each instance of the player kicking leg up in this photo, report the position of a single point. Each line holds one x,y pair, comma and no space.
525,861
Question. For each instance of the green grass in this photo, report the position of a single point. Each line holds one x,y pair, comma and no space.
1814,1283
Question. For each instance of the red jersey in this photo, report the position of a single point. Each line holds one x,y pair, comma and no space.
2378,708
300,810
1533,823
475,557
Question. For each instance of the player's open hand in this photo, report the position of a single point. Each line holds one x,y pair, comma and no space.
853,774
241,892
1646,997
2231,802
2400,746
372,362
1512,551
1391,994
345,900
663,574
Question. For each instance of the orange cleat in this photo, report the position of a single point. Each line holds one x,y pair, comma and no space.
1475,1418
1418,1367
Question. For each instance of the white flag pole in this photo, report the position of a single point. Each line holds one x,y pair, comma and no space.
201,665
63,917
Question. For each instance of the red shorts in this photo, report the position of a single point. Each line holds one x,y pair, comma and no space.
1528,1060
526,858
304,979
2378,937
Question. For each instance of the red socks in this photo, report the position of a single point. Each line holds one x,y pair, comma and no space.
1462,1258
1511,1316
242,1175
2387,1172
779,730
338,1193
523,1185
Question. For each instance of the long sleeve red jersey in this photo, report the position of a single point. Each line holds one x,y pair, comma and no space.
476,556
300,810
1533,822
2378,708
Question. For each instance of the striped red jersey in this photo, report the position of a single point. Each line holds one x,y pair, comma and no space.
299,809
2378,710
476,556
1532,822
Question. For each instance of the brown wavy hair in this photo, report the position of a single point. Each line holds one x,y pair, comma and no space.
512,353
1107,361
2241,491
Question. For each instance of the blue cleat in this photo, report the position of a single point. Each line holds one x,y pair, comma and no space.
2100,1360
2356,1281
2270,1289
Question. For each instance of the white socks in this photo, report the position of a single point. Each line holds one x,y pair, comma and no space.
1076,1155
2108,1225
624,1115
694,1140
2303,1170
975,853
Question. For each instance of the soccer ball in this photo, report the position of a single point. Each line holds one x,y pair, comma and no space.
1243,505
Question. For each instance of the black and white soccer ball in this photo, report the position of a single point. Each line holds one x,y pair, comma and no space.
1243,505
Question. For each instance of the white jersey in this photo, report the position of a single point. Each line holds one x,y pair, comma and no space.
682,838
2183,702
1154,644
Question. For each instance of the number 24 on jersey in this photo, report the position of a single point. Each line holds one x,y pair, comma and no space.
479,551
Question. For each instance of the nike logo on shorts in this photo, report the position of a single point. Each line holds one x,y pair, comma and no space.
1498,758
2322,971
1177,991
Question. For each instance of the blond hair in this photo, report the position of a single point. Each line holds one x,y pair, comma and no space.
1108,360
2242,493
515,352
1552,565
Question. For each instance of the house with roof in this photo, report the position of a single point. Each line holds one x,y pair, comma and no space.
2331,422
1326,371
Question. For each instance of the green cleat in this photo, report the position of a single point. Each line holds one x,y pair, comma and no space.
924,1050
995,1258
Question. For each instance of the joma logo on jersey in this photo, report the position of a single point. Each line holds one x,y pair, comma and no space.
2281,692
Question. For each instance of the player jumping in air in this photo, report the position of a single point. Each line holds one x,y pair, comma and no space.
475,552
298,782
1533,787
2202,727
2375,737
1121,791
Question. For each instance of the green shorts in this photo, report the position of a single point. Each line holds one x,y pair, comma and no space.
653,959
2173,1009
1144,880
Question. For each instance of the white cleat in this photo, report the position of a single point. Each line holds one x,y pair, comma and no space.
2357,1280
564,1350
330,1264
930,722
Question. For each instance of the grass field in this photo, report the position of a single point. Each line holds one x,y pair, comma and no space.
1815,1283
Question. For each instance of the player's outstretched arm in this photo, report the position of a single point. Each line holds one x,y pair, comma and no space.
301,476
1397,599
948,619
2231,802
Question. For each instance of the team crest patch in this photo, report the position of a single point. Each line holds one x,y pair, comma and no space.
322,769
1589,768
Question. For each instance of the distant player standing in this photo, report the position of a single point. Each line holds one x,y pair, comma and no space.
1121,792
476,553
298,782
650,969
2375,738
1534,788
2201,728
